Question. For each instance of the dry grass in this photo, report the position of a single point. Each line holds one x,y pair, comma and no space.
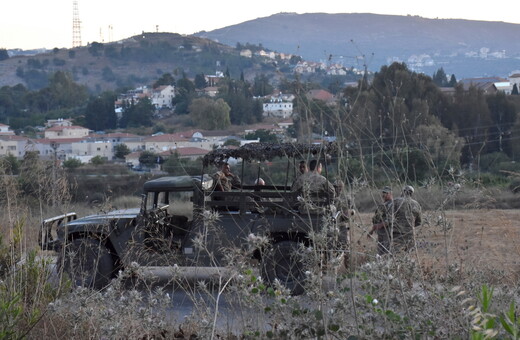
486,239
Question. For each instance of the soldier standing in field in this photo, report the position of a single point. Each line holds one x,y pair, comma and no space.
382,222
407,216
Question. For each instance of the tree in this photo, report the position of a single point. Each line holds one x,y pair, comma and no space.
265,136
121,150
439,78
97,160
95,49
261,86
165,79
185,92
9,165
100,114
3,54
72,163
137,115
503,116
453,81
149,159
515,90
232,142
200,81
210,114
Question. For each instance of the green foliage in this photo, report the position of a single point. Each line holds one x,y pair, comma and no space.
3,54
502,113
210,114
95,49
265,136
72,163
165,79
121,150
200,81
100,114
232,142
98,160
185,93
261,86
58,62
10,165
439,78
108,74
136,115
148,158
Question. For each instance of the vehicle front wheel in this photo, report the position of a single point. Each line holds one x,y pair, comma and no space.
282,262
87,262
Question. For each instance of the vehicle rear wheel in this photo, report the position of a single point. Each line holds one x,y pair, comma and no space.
88,263
283,263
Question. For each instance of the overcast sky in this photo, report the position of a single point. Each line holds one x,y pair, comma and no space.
31,24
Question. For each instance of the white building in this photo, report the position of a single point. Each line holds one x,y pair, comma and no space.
279,105
74,131
163,96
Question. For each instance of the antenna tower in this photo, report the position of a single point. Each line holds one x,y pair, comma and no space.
76,25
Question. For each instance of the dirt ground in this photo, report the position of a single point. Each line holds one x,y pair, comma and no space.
487,240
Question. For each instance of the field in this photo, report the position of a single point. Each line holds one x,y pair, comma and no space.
487,239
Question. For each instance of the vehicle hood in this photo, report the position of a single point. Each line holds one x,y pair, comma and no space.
106,217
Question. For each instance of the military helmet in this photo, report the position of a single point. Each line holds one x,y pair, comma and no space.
408,189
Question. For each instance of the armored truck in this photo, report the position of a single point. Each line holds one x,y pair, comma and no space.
186,221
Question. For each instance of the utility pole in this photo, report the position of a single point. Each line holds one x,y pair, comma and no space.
54,147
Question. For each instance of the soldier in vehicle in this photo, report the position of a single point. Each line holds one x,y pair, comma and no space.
407,216
313,182
224,179
314,190
382,222
302,168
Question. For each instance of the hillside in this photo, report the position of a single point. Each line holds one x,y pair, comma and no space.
135,61
464,47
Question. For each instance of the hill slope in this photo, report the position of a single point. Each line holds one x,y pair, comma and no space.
464,47
136,61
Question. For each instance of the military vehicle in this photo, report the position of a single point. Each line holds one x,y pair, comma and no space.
184,221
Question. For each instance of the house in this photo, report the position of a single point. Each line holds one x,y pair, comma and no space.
322,95
15,145
486,84
191,153
58,122
4,130
162,96
59,132
246,53
514,78
278,106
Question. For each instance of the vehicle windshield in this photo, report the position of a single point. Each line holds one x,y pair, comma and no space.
175,202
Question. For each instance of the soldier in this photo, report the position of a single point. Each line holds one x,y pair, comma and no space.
344,208
313,182
224,179
407,216
382,222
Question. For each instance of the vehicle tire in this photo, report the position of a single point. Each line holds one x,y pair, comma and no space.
87,262
283,263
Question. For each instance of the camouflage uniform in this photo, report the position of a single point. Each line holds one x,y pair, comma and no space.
225,183
407,216
383,214
310,186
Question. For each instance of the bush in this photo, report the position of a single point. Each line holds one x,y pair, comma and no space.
72,163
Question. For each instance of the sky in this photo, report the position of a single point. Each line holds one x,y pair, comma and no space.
30,24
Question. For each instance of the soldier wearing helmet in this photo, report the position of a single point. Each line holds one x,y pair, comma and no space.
407,216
